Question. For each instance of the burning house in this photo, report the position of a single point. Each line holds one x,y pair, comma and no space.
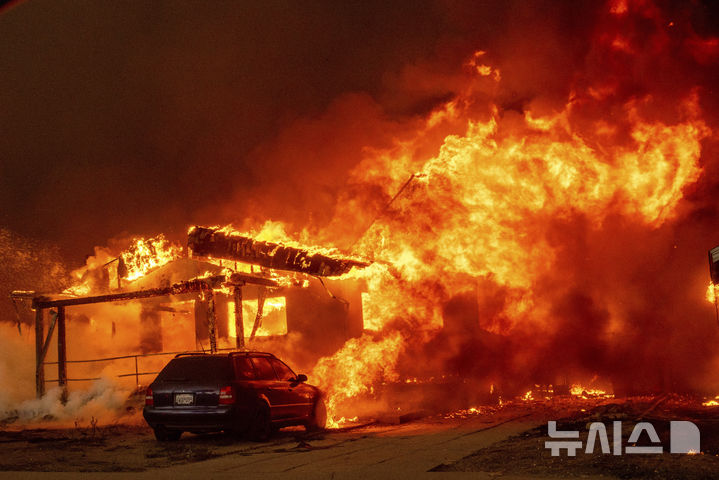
230,291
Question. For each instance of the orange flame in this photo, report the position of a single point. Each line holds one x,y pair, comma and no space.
711,292
146,254
354,368
587,392
480,204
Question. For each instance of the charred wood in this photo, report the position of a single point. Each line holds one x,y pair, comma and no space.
207,242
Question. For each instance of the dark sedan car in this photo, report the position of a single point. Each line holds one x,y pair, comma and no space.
247,392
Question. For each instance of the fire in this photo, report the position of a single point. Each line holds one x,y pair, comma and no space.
354,369
482,206
711,293
147,253
275,232
499,180
469,412
274,319
343,421
482,68
587,392
100,271
712,403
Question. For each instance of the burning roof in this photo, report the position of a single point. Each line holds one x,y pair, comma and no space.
213,242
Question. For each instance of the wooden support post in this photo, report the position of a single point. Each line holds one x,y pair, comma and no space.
39,365
61,353
48,337
239,321
261,295
211,322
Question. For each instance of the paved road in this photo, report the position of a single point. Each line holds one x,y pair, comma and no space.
388,451
405,450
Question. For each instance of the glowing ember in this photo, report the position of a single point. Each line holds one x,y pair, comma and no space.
342,422
586,392
469,412
712,403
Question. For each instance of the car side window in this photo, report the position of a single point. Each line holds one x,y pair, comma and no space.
283,371
244,369
264,368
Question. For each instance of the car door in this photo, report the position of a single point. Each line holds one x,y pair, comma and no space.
245,381
298,397
268,385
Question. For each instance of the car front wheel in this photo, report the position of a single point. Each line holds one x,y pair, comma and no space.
318,420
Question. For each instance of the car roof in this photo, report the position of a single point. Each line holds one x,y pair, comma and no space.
230,354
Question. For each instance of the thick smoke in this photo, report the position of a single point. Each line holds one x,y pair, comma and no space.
104,401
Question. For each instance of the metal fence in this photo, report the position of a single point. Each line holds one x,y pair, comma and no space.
137,373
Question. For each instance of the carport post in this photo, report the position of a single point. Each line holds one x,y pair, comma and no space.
39,366
211,322
61,352
239,321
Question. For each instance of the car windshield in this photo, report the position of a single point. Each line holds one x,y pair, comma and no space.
196,368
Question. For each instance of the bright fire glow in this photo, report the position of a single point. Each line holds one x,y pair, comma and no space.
274,317
711,292
586,392
468,412
485,202
147,253
354,368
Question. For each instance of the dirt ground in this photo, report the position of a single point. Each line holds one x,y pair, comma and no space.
525,454
488,442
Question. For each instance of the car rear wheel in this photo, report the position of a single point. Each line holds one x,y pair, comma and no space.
261,424
318,420
164,435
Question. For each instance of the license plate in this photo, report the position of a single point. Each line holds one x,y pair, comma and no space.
184,399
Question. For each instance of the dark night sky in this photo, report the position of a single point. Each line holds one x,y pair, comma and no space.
140,117
127,116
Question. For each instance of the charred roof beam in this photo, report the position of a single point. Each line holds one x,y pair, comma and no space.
209,242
